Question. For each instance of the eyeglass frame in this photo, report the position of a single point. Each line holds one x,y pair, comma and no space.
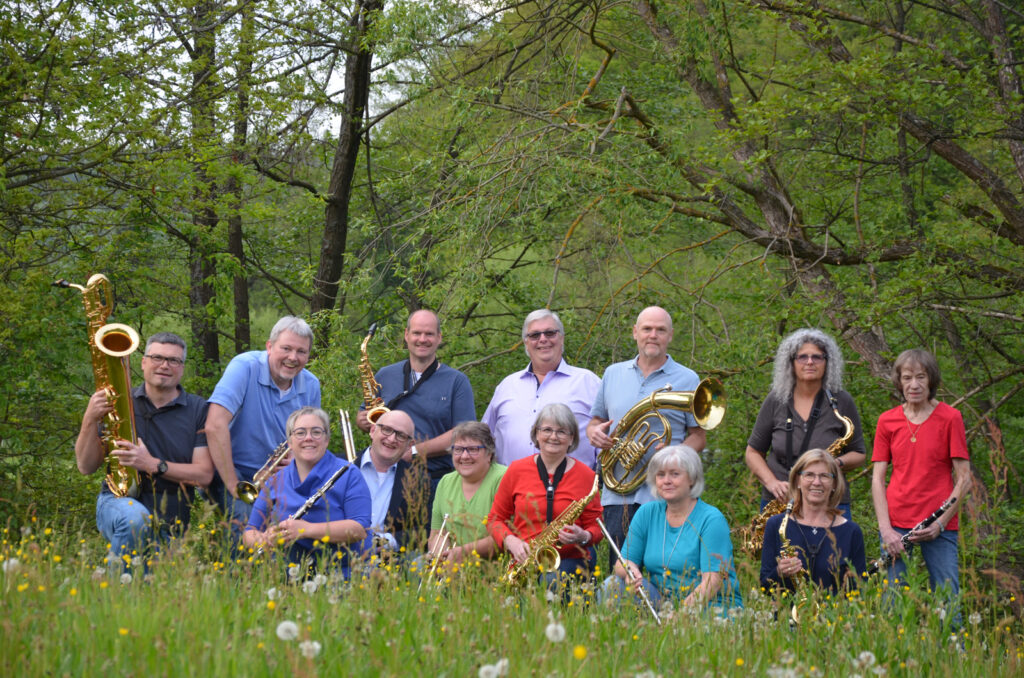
315,432
387,431
821,477
537,334
813,358
472,450
173,361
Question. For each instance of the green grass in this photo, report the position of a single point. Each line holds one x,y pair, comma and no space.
196,614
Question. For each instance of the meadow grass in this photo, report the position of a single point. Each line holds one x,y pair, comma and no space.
199,612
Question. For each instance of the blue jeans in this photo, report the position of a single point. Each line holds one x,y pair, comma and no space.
617,518
941,558
235,511
125,523
615,585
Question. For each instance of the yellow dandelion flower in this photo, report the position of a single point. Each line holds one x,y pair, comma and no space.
56,559
48,531
325,539
739,661
104,584
41,588
123,631
73,592
22,587
271,605
579,652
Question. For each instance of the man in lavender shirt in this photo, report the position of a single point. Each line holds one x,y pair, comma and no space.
547,379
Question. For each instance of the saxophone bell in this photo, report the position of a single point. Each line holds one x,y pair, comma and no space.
375,408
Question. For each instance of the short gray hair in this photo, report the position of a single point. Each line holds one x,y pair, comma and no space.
540,314
783,380
475,430
168,338
303,411
293,324
683,456
561,416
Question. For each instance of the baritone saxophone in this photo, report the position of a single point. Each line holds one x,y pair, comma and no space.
111,345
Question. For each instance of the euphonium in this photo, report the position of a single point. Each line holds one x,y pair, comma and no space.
111,345
247,491
753,535
634,435
371,388
543,554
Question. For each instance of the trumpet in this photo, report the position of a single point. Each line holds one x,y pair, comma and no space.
639,585
440,546
247,491
346,434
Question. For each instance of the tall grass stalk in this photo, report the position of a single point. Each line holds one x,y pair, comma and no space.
198,612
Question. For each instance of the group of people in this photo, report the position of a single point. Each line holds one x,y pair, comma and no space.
504,483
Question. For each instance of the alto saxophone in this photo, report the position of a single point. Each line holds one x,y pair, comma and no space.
753,535
801,598
371,388
110,345
543,554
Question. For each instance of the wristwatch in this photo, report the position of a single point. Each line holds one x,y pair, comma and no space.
161,469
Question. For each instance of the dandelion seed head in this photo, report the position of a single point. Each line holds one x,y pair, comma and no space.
309,648
555,632
287,630
126,578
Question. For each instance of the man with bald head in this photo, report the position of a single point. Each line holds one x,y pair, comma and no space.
398,489
625,384
435,396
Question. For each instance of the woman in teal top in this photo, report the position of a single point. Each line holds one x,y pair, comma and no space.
465,495
682,542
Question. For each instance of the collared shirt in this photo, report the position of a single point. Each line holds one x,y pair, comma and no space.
259,408
171,433
441,402
624,385
381,486
518,399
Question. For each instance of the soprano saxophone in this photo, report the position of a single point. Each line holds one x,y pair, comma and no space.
543,554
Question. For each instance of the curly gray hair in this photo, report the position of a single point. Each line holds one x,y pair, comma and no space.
783,379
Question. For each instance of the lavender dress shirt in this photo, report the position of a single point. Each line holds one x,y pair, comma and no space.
519,398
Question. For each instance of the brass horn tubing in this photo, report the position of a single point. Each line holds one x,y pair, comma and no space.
247,491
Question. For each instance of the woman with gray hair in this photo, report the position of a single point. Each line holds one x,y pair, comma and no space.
682,542
465,495
801,413
537,489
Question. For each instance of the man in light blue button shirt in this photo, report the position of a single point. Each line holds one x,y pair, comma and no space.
625,384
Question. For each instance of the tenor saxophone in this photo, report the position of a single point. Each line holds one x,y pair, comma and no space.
371,388
543,554
110,345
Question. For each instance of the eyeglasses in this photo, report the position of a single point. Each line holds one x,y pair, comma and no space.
387,431
316,433
820,477
173,362
811,358
557,432
471,450
547,334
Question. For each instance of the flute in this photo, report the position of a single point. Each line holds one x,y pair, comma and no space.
639,584
308,504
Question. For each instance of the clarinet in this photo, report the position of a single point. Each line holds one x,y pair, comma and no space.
308,504
887,558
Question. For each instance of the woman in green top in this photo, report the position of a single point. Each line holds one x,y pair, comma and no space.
466,494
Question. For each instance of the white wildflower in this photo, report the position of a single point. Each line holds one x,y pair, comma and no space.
308,648
550,596
502,666
974,618
320,579
488,671
865,660
555,632
126,578
273,593
294,572
287,630
11,565
309,587
26,531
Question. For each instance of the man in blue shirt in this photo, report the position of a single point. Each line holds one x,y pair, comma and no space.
398,489
625,384
250,406
435,396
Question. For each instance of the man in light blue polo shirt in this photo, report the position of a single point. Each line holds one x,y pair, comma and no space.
250,406
625,384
